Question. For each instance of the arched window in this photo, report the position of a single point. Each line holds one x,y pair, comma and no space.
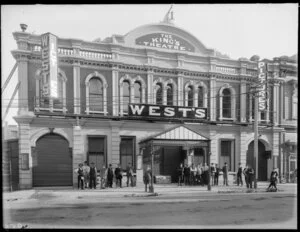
96,94
170,95
137,92
126,95
190,95
200,97
226,107
159,94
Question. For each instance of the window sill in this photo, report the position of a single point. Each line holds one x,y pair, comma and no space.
96,112
227,119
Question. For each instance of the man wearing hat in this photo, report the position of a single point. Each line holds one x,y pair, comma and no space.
93,176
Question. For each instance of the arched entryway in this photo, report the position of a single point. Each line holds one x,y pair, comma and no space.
262,160
52,161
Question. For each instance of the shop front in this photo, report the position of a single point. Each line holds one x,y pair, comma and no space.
167,150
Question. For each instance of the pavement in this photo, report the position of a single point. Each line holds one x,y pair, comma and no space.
171,190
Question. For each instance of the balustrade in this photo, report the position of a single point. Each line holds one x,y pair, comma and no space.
226,70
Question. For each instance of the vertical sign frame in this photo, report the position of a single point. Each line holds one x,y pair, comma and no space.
49,65
262,88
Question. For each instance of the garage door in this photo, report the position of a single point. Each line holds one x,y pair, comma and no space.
52,162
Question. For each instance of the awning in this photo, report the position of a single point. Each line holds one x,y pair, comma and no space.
178,136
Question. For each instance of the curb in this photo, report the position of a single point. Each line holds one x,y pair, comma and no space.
142,195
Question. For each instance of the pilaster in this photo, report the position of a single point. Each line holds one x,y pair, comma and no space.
276,103
243,149
213,98
78,155
180,89
76,74
25,176
115,91
23,88
150,99
243,103
115,143
213,147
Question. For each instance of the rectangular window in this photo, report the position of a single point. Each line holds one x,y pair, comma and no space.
97,151
127,152
25,161
227,154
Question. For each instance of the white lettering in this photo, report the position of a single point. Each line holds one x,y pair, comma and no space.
169,112
152,111
155,40
200,113
184,111
137,109
44,40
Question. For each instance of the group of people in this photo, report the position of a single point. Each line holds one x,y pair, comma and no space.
87,176
199,175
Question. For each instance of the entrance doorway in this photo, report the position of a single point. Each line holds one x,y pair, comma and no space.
171,157
52,162
262,160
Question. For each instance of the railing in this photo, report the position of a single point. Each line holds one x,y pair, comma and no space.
251,73
82,53
95,55
226,70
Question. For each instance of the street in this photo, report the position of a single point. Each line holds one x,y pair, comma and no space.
257,210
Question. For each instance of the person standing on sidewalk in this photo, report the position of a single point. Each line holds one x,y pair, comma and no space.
212,173
193,174
147,177
273,179
246,177
129,174
86,172
80,178
103,175
186,172
206,176
118,175
250,176
93,176
198,175
225,174
110,176
216,177
239,175
180,174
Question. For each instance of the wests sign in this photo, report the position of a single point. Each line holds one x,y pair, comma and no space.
166,111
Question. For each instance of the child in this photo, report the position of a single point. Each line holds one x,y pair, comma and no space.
273,180
79,171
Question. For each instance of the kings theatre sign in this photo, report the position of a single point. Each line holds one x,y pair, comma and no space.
164,40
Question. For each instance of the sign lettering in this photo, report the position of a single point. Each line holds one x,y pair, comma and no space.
49,65
167,41
262,89
147,110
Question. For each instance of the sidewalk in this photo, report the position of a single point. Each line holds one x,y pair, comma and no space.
159,190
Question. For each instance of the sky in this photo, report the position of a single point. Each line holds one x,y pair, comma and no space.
238,30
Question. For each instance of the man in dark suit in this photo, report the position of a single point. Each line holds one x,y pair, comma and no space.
250,176
216,177
239,175
225,174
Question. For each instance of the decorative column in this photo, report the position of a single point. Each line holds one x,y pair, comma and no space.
281,103
243,149
213,98
115,91
78,152
23,88
195,95
25,176
76,85
276,103
165,95
150,99
180,89
213,146
275,148
114,143
243,103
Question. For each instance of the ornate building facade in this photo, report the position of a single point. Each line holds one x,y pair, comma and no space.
104,85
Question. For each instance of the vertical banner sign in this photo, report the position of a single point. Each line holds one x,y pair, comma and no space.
49,65
262,86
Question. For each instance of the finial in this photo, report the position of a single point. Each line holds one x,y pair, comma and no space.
169,17
23,26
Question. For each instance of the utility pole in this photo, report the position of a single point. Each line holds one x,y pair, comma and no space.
256,137
151,187
209,167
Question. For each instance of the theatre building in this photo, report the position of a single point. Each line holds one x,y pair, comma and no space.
156,88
